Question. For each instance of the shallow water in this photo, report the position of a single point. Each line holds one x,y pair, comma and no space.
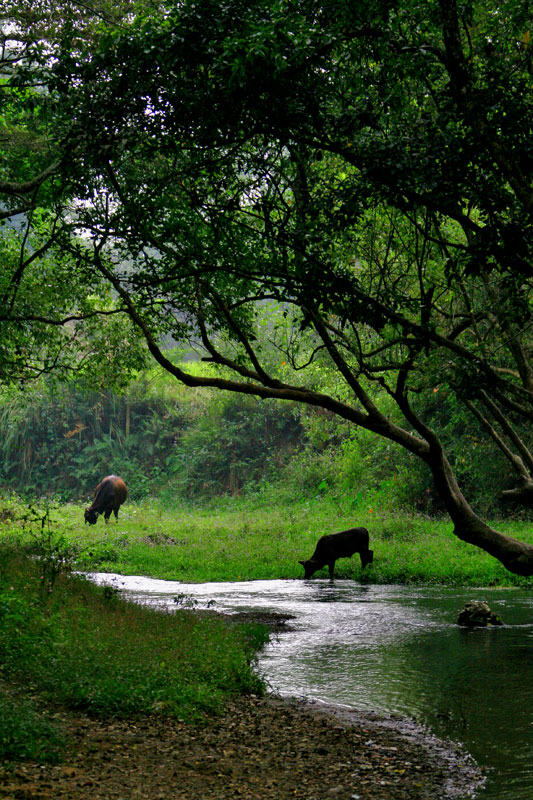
394,649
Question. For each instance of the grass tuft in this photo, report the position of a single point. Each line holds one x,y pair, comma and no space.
27,734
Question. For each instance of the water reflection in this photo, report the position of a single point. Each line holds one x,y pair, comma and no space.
396,649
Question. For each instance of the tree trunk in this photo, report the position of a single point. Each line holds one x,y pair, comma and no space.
515,556
128,419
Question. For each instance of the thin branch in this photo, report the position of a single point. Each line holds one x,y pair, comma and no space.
25,187
63,320
373,422
260,373
515,460
508,429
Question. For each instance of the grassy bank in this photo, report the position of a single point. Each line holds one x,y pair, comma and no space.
237,540
65,641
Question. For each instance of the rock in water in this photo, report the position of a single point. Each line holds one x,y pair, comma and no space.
477,614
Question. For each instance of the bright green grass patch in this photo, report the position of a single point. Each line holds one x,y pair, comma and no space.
236,540
417,550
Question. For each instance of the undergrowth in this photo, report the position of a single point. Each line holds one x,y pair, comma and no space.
24,733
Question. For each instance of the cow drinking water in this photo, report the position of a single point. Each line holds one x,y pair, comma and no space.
109,495
338,545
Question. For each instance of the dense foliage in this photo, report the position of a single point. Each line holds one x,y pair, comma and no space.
60,441
55,318
183,445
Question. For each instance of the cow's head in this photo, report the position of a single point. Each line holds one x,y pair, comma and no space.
310,567
90,516
367,558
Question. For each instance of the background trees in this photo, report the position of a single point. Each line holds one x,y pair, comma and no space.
356,181
56,315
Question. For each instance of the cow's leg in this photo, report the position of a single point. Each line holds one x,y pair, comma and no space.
107,514
331,567
115,511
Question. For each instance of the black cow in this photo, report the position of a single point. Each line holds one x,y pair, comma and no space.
338,545
109,495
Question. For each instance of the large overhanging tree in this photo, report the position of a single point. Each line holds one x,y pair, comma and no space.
354,177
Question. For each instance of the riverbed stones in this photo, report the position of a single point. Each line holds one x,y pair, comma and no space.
477,614
256,749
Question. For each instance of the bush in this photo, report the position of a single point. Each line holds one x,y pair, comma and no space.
62,442
237,443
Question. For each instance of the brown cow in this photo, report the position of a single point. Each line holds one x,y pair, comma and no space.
338,545
109,495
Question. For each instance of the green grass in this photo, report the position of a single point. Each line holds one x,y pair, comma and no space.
236,540
86,648
233,541
63,638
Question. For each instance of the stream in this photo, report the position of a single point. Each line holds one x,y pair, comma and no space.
394,650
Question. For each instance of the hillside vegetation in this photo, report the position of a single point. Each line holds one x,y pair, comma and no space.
191,446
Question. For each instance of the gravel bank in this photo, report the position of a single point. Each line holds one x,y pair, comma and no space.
258,749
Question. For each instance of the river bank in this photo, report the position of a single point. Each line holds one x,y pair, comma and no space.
252,750
258,749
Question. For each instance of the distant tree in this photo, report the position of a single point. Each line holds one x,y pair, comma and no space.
360,171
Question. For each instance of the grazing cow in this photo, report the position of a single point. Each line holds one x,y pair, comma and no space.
109,495
338,545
